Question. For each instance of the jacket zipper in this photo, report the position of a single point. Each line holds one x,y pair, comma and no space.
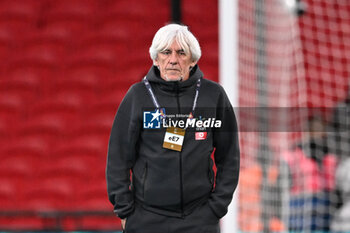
180,154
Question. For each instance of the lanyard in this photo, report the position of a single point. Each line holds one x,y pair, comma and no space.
154,99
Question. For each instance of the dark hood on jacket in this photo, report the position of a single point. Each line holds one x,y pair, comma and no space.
154,78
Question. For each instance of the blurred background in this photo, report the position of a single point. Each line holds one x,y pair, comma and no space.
66,65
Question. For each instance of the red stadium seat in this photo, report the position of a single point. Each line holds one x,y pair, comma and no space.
19,15
27,85
193,12
6,44
95,196
51,46
7,194
107,105
12,108
21,158
76,15
79,82
138,16
73,169
21,223
43,71
6,129
94,56
65,31
84,147
49,129
96,125
47,195
130,27
45,56
116,40
77,8
67,106
88,74
13,8
15,168
29,148
123,79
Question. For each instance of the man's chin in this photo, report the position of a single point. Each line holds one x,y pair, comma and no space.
173,78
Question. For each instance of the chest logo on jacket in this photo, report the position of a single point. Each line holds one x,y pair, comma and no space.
152,119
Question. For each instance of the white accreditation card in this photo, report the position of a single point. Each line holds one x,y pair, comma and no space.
174,138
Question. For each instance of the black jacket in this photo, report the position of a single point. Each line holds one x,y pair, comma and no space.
164,181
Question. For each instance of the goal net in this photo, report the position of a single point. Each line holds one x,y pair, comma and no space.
294,101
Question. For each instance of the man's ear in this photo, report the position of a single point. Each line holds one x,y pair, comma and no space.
155,63
193,64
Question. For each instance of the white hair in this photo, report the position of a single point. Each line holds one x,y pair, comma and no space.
166,35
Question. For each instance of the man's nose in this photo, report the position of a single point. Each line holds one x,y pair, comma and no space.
173,59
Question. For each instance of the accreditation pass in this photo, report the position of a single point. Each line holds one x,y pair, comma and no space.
174,138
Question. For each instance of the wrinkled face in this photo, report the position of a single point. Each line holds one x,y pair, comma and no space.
174,64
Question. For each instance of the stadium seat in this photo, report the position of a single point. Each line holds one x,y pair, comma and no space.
17,171
61,31
6,44
11,106
20,160
47,195
51,45
45,55
124,79
84,147
82,8
26,85
94,56
106,106
132,28
67,106
96,125
5,129
95,196
33,148
114,39
76,15
20,8
94,77
7,194
137,11
40,72
21,223
193,13
48,129
19,15
82,84
73,169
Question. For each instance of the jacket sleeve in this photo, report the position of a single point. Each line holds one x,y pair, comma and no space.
121,155
227,157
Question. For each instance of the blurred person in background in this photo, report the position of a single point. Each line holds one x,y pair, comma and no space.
341,128
312,180
173,187
341,123
341,220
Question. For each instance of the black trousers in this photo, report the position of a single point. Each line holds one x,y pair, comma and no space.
201,220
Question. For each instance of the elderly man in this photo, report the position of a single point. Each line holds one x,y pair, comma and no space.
164,133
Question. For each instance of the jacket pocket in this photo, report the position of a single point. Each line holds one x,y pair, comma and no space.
139,173
162,182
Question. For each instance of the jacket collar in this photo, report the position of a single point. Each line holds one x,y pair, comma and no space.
154,78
